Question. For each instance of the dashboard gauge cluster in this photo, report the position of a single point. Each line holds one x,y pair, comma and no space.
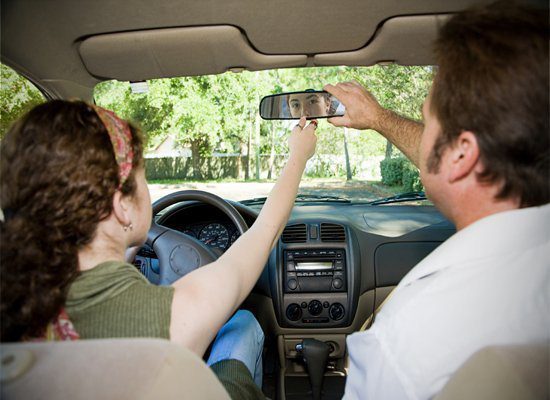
213,234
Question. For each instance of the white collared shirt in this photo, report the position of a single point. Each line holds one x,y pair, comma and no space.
489,284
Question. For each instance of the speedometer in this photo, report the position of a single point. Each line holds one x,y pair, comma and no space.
215,235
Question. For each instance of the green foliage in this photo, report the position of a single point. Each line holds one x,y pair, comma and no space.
324,167
399,88
167,168
411,178
219,114
391,170
401,172
17,96
209,168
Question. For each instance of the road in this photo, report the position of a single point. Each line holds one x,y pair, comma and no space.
353,190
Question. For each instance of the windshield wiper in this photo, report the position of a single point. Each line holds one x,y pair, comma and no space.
399,198
302,198
322,198
255,200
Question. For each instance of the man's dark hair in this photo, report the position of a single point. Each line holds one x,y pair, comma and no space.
493,81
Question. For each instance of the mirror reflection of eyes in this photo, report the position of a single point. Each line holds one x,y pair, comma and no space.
294,105
306,97
312,99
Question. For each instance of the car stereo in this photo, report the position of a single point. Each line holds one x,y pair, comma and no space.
315,271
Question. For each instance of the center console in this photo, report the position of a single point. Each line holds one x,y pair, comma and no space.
314,277
315,287
315,282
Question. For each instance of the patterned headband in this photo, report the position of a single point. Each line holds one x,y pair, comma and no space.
121,139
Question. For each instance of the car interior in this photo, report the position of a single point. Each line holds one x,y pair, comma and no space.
335,263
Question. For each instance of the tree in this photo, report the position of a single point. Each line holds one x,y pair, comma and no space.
17,95
399,88
219,113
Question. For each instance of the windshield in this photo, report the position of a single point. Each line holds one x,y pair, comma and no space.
206,133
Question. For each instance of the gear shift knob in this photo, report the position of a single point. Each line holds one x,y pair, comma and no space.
315,355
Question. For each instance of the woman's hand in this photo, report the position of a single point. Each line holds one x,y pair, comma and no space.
302,140
362,109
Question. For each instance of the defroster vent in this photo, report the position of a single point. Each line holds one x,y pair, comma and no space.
295,234
333,233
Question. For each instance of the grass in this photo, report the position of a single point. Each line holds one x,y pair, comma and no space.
354,189
342,181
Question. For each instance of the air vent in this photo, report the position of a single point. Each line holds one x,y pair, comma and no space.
332,233
295,234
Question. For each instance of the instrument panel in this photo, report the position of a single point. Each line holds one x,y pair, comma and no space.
205,223
218,234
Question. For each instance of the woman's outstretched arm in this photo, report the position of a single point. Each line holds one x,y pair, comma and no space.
206,298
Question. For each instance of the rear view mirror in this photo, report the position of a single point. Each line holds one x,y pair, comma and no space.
311,104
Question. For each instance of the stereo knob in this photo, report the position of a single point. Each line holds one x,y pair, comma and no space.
336,311
315,307
338,283
293,312
292,284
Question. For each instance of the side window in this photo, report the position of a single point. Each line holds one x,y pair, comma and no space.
17,96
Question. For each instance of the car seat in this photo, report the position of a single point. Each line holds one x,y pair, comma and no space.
105,369
519,372
144,369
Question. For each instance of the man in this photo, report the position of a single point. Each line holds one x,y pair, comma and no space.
484,158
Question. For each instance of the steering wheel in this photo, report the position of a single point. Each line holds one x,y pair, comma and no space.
178,253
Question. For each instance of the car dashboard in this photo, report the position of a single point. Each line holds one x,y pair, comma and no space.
214,230
332,267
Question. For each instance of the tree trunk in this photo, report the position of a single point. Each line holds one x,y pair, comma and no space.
240,160
248,148
273,132
389,149
195,155
258,147
209,173
349,176
271,153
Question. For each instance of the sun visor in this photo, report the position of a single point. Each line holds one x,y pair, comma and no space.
162,53
404,40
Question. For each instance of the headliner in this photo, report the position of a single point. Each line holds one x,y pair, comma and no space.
68,46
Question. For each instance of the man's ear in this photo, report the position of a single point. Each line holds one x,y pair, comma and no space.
121,208
464,157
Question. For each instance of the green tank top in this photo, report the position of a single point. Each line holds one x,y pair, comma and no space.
114,300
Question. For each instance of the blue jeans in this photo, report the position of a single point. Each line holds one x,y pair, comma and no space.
241,338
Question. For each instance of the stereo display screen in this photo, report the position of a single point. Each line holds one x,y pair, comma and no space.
313,266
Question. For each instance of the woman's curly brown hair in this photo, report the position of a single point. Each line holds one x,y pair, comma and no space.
58,175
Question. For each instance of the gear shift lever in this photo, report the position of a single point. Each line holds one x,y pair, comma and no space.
315,354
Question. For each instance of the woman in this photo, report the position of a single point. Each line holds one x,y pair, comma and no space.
309,104
74,197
